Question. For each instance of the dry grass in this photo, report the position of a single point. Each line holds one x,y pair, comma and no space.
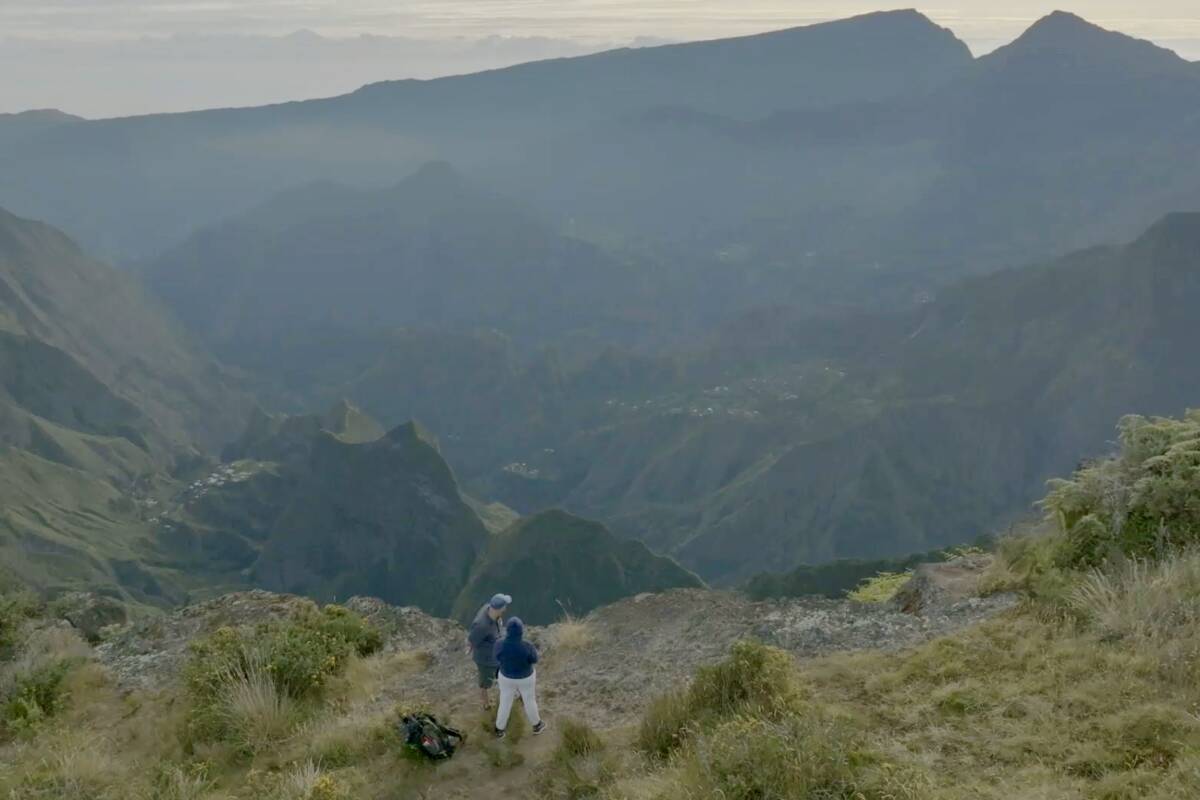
258,714
572,634
345,739
1097,701
308,781
176,783
42,649
71,766
365,678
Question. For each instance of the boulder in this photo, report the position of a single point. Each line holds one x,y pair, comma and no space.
90,613
939,586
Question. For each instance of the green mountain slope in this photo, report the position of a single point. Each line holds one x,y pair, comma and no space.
102,400
381,518
53,293
64,529
554,562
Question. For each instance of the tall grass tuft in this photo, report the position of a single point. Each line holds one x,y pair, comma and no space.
257,713
308,781
755,678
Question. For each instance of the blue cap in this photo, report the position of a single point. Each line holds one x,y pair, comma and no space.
499,601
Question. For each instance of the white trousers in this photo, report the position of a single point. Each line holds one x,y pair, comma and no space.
510,690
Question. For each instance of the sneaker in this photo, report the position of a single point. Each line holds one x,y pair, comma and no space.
499,733
541,726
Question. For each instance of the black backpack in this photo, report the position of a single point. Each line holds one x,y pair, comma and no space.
424,733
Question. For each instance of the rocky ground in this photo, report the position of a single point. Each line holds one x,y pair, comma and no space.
603,668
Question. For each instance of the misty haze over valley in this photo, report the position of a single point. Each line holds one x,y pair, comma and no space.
701,336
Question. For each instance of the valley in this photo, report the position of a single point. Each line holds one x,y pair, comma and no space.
785,397
820,396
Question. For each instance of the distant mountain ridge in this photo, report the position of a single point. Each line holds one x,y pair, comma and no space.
861,437
434,251
238,157
560,564
26,124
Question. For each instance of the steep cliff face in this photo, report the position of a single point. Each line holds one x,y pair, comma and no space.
383,517
556,563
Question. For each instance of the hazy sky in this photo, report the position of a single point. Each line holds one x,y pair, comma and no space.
66,52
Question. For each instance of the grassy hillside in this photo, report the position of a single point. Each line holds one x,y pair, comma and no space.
381,518
103,401
54,294
555,564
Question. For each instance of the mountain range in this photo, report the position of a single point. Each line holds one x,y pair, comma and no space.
753,303
130,187
788,439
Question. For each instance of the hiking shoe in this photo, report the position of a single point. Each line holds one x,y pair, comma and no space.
499,733
537,729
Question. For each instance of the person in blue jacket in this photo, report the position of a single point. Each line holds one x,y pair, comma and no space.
518,677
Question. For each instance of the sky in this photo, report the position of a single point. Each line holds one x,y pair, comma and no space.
116,57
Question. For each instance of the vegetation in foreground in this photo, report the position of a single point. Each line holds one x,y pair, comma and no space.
1090,689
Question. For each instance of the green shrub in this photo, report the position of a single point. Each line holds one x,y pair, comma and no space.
753,678
297,657
1142,503
35,695
581,766
15,610
578,739
665,723
754,675
880,588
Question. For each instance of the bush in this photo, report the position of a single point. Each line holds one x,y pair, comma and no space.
664,726
1155,605
277,664
578,739
581,766
35,695
15,610
880,588
1143,503
755,678
754,675
256,713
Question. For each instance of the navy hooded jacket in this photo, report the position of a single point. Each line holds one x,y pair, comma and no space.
516,656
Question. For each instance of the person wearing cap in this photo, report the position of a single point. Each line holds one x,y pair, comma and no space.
482,637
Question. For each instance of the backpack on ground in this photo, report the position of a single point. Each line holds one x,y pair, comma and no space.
424,733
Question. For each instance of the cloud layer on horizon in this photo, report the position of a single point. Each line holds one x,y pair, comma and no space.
118,57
